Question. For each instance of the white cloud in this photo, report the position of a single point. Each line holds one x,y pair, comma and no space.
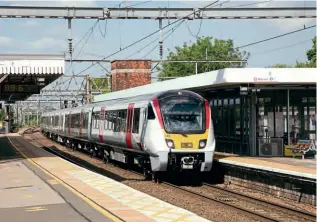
46,43
31,23
5,41
293,24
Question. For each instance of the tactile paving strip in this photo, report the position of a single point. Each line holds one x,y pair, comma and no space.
150,206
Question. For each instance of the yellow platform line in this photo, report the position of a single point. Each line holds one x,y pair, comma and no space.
32,209
86,199
26,196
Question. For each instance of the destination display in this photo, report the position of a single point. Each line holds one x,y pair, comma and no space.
20,88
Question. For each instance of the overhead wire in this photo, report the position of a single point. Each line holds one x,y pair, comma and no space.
201,21
155,40
254,3
145,37
172,31
105,29
279,48
92,30
275,37
88,31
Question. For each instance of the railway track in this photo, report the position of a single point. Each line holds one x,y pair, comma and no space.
261,210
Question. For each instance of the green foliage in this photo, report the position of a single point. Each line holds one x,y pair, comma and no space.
281,66
305,65
216,50
311,53
101,84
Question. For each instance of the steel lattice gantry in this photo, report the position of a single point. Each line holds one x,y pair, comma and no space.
155,13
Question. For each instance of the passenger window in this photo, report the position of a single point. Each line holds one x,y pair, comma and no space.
150,112
136,121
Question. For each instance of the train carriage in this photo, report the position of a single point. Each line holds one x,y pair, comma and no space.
160,132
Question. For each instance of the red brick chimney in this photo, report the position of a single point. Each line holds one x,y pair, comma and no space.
130,73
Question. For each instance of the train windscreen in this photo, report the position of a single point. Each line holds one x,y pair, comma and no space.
183,114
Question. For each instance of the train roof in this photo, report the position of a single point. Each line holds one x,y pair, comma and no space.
137,98
230,76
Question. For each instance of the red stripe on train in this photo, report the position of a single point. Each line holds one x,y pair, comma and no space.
102,113
158,111
207,114
128,135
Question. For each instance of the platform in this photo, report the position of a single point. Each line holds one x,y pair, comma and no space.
116,198
305,168
28,194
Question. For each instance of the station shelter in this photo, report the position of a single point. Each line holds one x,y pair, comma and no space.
22,75
255,111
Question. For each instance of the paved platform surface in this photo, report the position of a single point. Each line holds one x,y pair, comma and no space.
297,167
26,195
119,199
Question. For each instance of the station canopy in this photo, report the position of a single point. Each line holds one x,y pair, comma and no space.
22,75
230,77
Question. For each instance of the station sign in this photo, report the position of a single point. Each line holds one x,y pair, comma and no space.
20,88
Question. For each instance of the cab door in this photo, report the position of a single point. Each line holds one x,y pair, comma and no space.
89,124
128,135
81,121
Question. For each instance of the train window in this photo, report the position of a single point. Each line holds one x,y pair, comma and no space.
111,120
150,112
183,114
106,120
96,120
72,121
123,117
66,120
116,121
56,120
136,120
86,120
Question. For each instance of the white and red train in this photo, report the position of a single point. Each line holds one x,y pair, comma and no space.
165,131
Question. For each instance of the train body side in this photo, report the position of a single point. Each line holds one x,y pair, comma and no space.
138,127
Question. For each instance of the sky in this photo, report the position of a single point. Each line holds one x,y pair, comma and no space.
50,35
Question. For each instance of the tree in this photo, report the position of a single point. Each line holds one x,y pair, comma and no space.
311,53
217,50
281,66
102,84
311,56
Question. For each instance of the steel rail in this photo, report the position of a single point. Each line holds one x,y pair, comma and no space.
300,213
307,215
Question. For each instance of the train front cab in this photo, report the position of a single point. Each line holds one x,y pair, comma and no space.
181,137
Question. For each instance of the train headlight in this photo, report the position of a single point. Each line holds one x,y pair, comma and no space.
202,144
170,144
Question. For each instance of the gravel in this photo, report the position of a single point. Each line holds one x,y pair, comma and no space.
263,196
204,208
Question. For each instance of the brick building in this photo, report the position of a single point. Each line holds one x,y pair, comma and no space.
127,74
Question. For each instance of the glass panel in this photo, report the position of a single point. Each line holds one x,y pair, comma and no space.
136,120
183,114
312,123
238,120
295,124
